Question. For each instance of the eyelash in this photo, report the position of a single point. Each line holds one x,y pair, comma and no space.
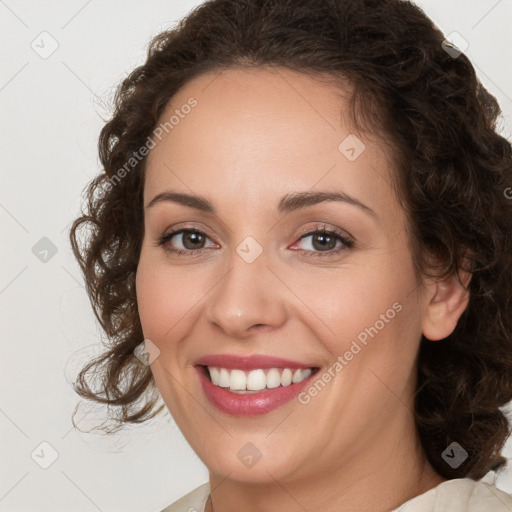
318,230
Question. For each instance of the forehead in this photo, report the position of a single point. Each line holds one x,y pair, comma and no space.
262,133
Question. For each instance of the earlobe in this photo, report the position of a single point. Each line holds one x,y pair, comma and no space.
448,300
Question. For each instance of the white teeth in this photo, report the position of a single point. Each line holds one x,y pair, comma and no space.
297,376
215,375
256,380
286,377
237,380
273,378
223,378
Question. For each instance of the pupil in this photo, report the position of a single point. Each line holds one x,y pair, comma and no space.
196,239
324,238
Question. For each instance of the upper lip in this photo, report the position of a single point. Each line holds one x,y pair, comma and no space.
249,362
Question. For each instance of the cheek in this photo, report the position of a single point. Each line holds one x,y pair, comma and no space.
163,300
163,308
371,313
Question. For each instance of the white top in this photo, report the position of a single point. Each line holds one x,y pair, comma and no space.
457,495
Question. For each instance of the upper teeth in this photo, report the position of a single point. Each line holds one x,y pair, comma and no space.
256,380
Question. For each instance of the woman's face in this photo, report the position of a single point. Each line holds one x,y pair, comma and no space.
258,280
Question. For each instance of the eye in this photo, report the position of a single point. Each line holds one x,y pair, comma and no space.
323,242
191,240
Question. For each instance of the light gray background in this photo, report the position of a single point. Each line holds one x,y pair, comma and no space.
50,111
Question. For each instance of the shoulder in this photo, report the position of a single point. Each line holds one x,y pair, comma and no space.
460,495
194,501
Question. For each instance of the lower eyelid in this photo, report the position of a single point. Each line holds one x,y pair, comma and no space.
313,234
346,243
182,232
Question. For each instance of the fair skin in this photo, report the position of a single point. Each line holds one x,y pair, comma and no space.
255,136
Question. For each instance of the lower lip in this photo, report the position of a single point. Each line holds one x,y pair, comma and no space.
250,404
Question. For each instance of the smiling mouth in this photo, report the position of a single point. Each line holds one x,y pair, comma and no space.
256,380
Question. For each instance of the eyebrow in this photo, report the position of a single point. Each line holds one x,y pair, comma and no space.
288,203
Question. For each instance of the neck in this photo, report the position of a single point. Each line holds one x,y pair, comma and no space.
389,472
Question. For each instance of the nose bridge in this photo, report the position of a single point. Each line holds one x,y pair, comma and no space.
248,294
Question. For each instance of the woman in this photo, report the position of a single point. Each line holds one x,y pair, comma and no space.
301,241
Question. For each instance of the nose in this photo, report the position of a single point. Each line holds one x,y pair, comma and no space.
248,298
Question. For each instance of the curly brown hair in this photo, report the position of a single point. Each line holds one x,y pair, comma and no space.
452,173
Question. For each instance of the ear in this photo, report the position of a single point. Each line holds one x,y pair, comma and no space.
447,301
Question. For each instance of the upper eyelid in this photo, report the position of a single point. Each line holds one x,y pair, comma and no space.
188,225
307,231
180,229
319,227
